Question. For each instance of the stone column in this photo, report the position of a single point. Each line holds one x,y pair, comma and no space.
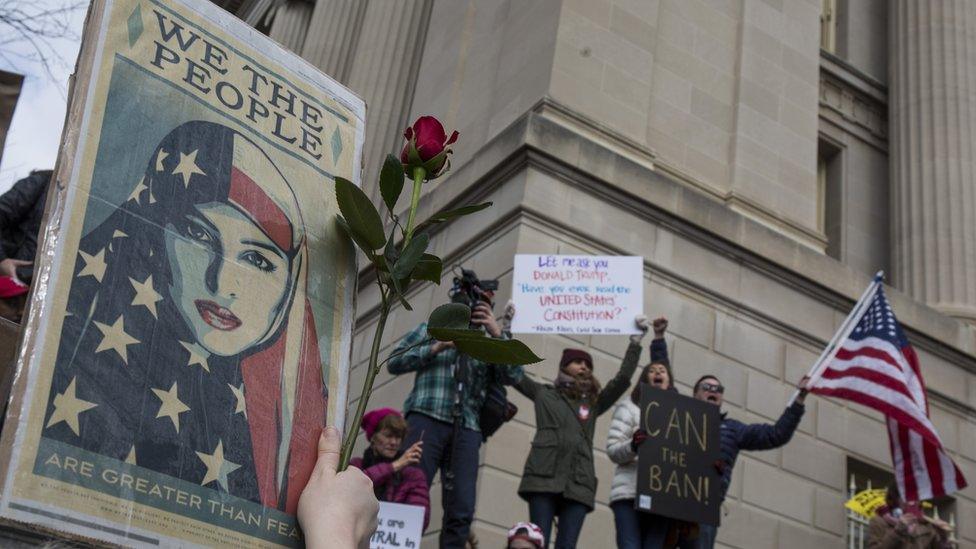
932,104
332,45
384,74
291,24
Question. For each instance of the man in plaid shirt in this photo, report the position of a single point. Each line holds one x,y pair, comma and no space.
430,415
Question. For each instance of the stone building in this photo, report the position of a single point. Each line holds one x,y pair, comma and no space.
765,157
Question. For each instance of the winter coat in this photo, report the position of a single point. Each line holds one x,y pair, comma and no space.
21,211
626,420
735,435
561,458
883,535
409,489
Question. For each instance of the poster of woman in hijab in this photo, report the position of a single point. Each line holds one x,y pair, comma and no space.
193,334
189,332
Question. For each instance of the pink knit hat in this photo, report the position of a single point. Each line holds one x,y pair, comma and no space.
372,419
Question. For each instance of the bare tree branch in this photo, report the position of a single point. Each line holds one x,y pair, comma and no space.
31,30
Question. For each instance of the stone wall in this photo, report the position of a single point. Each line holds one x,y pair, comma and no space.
745,303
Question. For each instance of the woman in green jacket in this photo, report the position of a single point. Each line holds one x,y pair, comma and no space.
559,479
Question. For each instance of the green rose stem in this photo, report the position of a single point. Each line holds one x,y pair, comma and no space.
350,438
419,174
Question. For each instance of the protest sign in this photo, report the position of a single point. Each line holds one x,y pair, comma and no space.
399,527
676,474
577,294
190,327
867,502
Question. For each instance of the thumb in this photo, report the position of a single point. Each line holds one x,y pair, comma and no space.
21,262
330,447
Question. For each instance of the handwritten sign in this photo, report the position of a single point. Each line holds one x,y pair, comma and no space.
399,526
867,502
676,475
577,294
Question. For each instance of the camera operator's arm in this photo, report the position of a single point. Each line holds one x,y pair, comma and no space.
413,352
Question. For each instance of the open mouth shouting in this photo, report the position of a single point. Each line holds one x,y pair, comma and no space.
658,381
217,316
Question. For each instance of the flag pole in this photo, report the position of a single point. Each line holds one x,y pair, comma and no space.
830,351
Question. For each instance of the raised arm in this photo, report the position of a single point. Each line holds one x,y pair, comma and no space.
765,436
412,353
621,382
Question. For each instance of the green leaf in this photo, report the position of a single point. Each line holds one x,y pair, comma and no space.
355,237
428,268
497,351
450,214
410,255
454,334
450,316
361,217
400,288
391,181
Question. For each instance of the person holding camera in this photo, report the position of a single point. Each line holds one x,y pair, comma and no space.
444,408
559,479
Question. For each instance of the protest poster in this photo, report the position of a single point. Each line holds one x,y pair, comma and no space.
676,474
190,327
398,526
577,294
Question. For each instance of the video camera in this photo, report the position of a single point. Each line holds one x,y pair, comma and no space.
469,290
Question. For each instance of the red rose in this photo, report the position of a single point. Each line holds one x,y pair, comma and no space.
426,148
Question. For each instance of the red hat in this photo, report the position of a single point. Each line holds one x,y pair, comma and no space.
11,287
569,355
372,419
527,531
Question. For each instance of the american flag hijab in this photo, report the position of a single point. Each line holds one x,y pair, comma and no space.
156,367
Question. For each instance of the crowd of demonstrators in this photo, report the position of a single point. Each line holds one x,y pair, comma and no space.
444,409
394,473
559,479
902,525
636,529
735,436
21,212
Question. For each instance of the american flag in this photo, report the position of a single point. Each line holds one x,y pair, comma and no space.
873,364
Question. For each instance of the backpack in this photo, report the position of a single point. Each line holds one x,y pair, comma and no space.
497,410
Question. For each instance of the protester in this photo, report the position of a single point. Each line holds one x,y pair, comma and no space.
430,412
901,525
735,436
336,510
525,535
395,477
21,211
637,529
559,478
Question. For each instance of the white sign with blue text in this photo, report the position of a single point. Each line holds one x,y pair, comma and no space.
577,294
399,527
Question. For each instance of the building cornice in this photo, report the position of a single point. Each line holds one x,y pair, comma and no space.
538,140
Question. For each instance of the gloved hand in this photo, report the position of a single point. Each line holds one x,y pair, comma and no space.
639,437
642,324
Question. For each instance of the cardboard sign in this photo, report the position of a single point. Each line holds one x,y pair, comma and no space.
190,325
867,502
399,527
676,475
577,294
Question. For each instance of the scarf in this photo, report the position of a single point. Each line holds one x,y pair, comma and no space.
583,390
370,458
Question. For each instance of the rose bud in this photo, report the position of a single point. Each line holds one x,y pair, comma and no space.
427,148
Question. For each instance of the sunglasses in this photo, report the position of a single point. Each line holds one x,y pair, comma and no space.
712,388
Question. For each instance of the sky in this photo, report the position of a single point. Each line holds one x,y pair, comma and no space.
35,133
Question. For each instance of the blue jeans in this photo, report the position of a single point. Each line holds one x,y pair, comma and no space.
458,503
543,508
639,530
706,536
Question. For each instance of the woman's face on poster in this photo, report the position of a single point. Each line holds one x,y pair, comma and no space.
230,280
